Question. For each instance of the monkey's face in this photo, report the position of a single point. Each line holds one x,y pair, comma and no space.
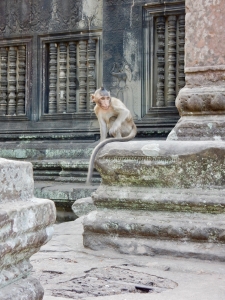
104,102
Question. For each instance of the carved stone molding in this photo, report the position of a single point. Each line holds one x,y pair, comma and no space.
11,109
3,81
181,36
20,108
52,78
91,69
206,78
160,26
72,77
171,93
83,76
202,111
62,105
201,101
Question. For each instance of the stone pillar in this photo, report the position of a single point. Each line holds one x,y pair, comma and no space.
25,225
201,103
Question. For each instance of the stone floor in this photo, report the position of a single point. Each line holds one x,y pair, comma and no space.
69,271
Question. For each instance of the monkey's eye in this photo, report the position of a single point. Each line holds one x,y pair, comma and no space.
105,98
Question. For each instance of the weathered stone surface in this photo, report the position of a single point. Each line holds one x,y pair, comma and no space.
163,164
68,270
25,225
157,199
156,233
24,289
201,103
204,32
83,206
160,197
16,181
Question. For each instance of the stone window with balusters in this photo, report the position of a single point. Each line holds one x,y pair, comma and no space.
164,34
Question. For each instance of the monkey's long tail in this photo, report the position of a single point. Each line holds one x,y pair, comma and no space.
103,143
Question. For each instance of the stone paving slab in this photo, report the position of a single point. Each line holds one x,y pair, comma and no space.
64,258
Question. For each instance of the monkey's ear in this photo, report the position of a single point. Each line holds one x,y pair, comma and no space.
92,98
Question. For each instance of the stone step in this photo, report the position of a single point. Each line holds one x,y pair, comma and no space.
161,199
163,233
71,170
31,150
64,194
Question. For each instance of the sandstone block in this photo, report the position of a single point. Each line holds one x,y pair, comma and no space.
25,225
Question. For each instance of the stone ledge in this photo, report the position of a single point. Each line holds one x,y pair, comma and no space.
161,199
163,164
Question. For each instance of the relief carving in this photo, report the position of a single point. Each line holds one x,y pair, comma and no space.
195,103
121,87
4,12
218,102
200,103
39,15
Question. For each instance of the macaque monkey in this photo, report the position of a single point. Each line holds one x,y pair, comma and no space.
114,118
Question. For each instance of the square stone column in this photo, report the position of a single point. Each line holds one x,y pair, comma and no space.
26,223
201,103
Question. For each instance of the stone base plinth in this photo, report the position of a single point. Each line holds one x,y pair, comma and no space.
202,111
24,289
160,197
187,235
25,225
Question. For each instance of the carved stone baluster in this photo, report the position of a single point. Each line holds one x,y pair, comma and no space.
91,69
172,61
12,81
3,81
72,78
83,76
160,97
20,108
52,78
181,76
62,107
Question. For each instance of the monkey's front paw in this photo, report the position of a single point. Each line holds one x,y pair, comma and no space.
113,131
